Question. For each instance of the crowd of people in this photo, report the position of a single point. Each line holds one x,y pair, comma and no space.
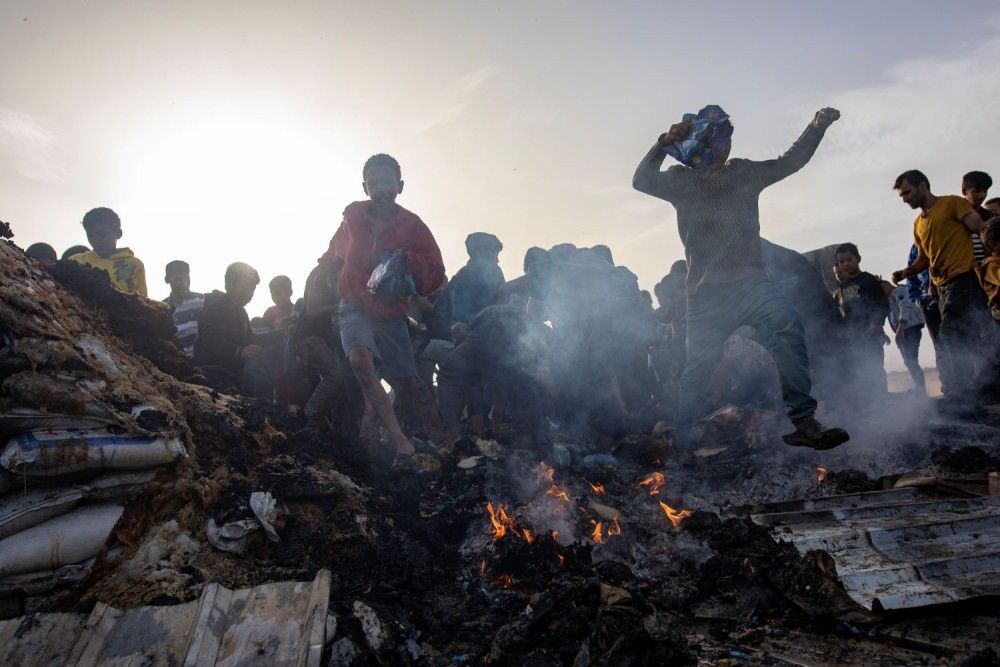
574,343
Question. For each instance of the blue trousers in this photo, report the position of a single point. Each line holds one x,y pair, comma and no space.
714,312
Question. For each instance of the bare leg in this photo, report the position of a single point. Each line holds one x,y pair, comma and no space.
416,393
363,365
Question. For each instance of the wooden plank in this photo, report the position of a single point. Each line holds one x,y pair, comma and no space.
314,636
90,645
204,645
40,639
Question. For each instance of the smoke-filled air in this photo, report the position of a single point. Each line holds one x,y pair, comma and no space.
460,333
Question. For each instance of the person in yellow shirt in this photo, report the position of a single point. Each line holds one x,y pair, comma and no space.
126,271
942,233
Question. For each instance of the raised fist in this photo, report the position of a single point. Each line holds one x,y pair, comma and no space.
825,118
676,133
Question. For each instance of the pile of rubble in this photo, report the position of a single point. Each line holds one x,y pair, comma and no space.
491,553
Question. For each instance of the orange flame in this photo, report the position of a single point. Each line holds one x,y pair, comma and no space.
596,535
615,528
528,537
821,476
598,488
557,493
482,567
674,516
654,482
500,520
506,581
555,535
562,559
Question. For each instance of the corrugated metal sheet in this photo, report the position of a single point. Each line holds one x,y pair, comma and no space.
901,548
275,624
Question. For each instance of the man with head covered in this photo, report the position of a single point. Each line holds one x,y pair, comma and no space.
727,286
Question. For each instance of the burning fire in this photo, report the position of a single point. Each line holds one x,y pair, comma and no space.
555,535
821,476
596,535
506,581
597,488
562,559
482,567
500,520
502,524
615,528
674,516
654,482
557,493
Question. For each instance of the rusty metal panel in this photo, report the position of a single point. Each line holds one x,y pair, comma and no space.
901,548
281,623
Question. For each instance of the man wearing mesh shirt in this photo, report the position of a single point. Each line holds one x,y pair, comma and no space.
727,287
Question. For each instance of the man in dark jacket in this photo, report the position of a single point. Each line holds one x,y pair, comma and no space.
228,352
476,284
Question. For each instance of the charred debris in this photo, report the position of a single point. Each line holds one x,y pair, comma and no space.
496,552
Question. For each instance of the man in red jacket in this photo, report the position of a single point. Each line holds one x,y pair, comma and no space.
373,327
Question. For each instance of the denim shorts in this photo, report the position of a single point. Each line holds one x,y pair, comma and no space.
389,340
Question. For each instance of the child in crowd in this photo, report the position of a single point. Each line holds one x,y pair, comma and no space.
230,353
989,269
104,228
975,186
187,304
73,250
43,253
281,296
906,319
864,306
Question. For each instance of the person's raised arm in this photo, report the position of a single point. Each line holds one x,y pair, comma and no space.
648,178
796,157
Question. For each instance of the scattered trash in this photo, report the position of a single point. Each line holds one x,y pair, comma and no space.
375,634
231,537
489,448
264,508
470,462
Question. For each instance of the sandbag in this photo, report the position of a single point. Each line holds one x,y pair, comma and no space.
20,511
19,420
60,452
64,540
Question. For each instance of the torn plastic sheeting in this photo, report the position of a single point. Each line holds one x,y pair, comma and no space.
231,537
64,540
94,349
20,511
60,452
265,509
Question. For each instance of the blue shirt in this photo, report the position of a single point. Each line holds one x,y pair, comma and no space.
918,287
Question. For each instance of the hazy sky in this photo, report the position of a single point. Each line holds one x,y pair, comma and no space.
236,131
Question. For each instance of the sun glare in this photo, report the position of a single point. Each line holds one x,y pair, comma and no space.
215,187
